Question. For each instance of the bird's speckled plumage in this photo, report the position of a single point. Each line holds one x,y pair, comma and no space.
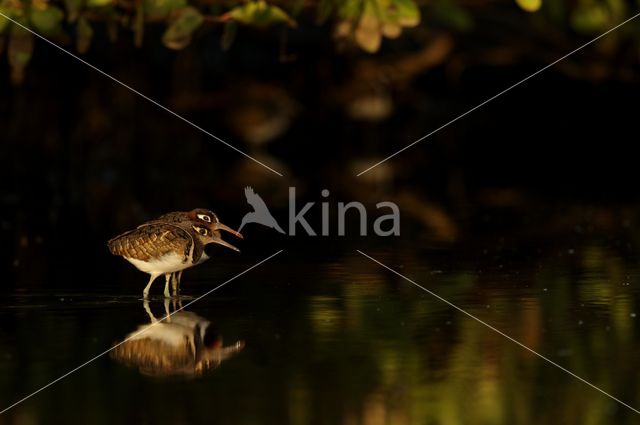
154,240
171,243
184,344
202,215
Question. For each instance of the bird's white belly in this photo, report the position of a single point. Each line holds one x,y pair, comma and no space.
171,334
168,263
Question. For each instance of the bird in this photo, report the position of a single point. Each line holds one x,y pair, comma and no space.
260,213
164,248
198,214
181,344
207,218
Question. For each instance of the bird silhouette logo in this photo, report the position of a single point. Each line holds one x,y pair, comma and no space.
260,213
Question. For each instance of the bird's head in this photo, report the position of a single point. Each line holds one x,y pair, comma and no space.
211,234
210,220
204,216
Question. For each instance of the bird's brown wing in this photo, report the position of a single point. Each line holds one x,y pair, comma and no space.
154,356
173,216
152,240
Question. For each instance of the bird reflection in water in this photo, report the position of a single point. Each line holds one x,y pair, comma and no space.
180,344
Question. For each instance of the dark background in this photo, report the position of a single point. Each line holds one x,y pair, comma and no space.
523,213
85,157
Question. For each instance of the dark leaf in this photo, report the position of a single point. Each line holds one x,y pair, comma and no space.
451,14
590,18
160,9
325,7
138,26
297,7
178,35
19,52
4,22
46,19
99,3
404,12
73,9
84,35
229,34
368,34
112,30
260,14
352,9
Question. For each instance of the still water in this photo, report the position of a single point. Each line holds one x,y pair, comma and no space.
329,337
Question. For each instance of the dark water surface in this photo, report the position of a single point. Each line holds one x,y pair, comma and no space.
332,338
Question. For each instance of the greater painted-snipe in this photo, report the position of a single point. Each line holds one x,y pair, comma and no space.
205,217
181,344
170,244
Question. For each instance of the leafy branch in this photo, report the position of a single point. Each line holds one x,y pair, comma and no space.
363,23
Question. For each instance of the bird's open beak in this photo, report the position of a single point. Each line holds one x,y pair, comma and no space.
216,227
217,239
220,226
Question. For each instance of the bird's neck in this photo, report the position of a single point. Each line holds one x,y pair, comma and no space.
204,257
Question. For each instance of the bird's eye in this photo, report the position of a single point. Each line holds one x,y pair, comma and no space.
204,217
201,230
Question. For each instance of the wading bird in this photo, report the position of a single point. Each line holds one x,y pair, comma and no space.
162,247
206,218
183,344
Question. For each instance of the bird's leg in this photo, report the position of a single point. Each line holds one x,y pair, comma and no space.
176,283
177,303
145,293
167,278
145,304
167,316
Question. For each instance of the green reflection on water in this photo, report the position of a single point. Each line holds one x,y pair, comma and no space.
349,343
